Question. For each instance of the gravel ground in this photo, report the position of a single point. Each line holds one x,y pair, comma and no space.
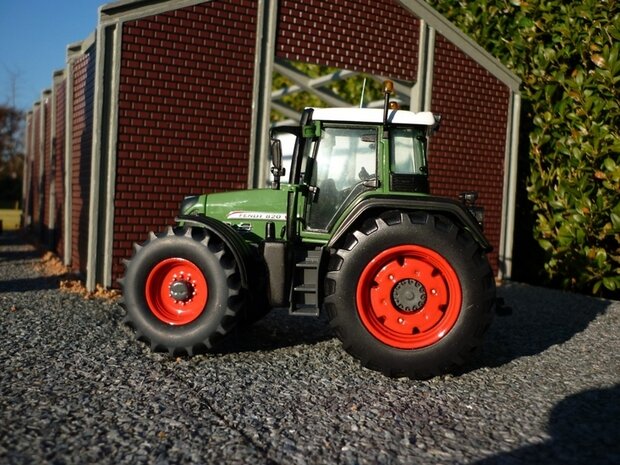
77,388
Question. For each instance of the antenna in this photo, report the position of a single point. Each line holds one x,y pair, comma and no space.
362,97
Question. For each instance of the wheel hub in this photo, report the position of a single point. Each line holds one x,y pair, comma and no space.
409,295
182,288
176,291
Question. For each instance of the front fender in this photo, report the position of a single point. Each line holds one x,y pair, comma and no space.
240,249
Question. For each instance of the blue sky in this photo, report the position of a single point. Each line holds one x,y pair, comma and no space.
34,35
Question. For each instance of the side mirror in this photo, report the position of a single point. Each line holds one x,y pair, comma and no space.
276,153
276,158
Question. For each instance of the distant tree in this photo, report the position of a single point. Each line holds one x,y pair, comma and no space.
11,155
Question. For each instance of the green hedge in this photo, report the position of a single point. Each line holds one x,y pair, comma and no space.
567,54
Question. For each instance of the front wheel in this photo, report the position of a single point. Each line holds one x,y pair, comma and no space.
182,291
410,294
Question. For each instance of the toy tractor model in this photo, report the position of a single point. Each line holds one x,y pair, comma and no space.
402,275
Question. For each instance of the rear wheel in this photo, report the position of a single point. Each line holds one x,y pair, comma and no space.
182,291
410,294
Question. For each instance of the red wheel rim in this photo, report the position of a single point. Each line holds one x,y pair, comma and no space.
176,291
409,297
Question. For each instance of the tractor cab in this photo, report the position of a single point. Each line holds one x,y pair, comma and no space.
344,155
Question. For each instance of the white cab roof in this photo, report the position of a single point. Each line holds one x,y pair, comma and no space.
373,115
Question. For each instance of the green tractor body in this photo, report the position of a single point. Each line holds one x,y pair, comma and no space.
348,226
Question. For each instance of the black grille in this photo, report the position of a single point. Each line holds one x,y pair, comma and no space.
408,183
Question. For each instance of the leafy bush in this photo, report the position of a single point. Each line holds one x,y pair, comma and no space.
567,54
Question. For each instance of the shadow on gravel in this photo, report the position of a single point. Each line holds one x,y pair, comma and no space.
276,330
31,254
19,255
540,318
15,239
31,284
584,428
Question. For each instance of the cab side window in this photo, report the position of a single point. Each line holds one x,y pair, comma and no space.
407,151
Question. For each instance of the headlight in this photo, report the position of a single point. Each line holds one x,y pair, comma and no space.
469,200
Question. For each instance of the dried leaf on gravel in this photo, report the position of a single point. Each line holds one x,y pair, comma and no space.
51,265
76,286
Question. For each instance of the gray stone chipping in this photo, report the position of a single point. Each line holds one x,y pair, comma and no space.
77,388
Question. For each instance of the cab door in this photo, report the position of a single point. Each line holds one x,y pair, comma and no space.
341,165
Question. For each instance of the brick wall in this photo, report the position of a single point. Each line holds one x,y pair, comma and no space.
381,37
47,169
185,98
185,109
372,36
468,152
81,145
59,167
28,187
36,170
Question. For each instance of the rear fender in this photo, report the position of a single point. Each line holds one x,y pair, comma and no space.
448,207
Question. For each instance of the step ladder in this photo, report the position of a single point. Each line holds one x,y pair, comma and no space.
306,288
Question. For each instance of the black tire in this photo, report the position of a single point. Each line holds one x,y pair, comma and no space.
192,324
401,272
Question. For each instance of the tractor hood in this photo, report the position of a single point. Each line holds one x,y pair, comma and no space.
246,210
